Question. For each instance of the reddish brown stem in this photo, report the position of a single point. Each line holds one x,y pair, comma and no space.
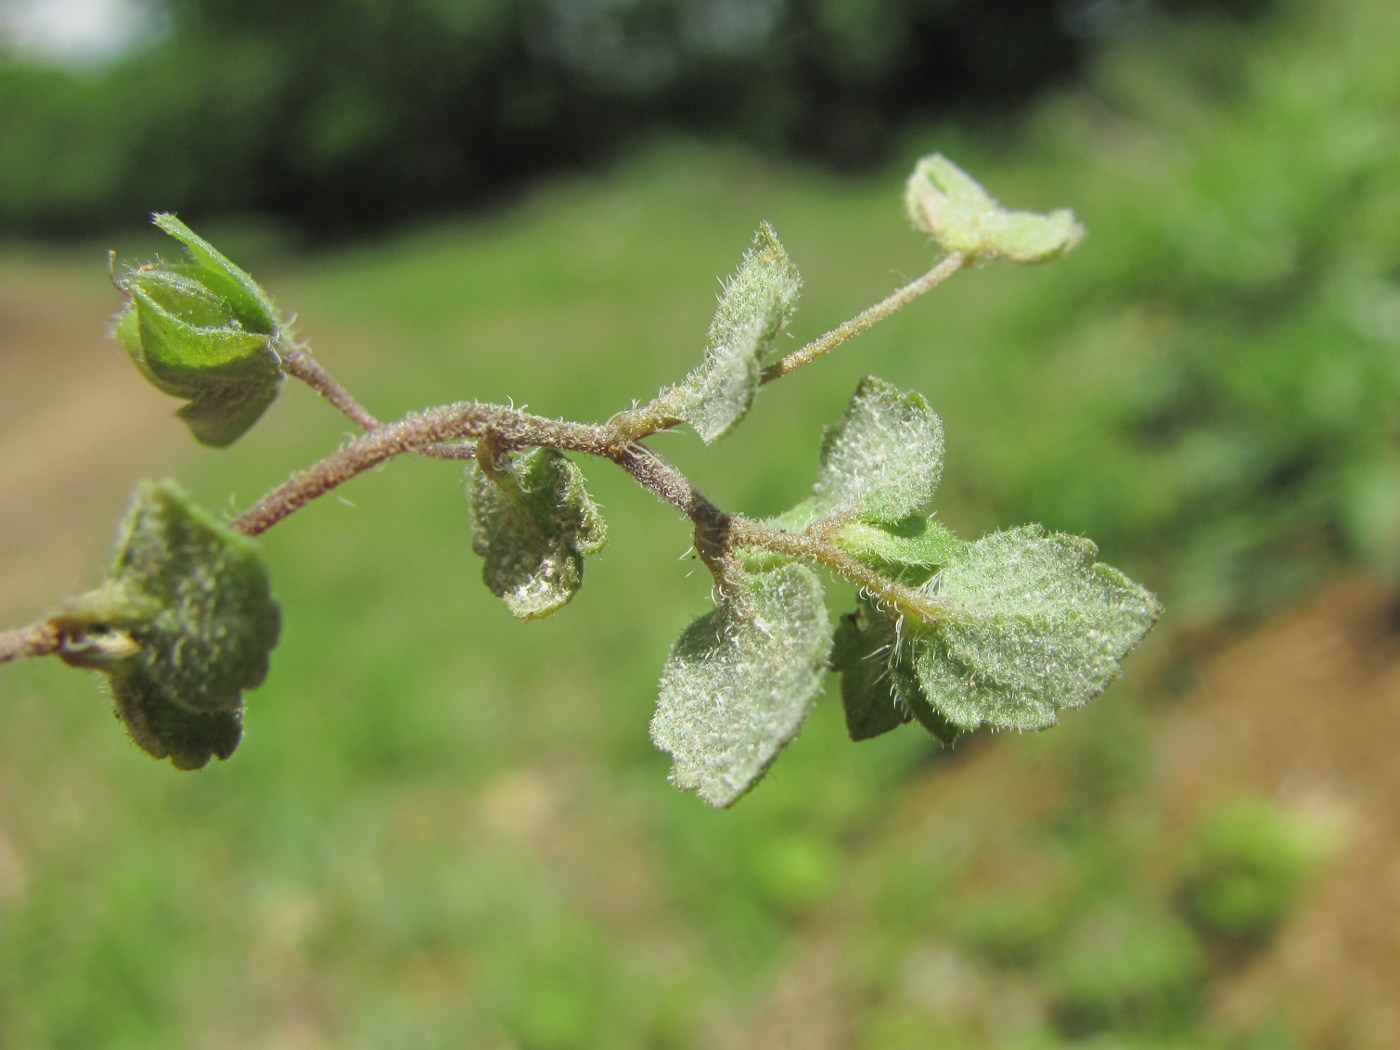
38,639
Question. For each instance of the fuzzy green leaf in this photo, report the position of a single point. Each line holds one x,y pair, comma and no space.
757,304
1041,626
882,460
739,683
533,521
166,730
185,623
875,683
943,200
880,689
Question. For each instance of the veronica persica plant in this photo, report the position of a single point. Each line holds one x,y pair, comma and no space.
1003,631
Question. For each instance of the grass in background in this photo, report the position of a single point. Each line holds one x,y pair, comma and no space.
448,829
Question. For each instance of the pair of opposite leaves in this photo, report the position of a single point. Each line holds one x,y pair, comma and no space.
1021,623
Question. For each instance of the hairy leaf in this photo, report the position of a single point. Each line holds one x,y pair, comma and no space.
1041,626
166,730
740,681
533,521
943,200
875,682
880,688
185,624
883,459
756,305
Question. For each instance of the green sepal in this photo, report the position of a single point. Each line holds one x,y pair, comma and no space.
206,332
740,681
184,624
1038,626
220,416
252,305
882,460
183,336
533,521
756,305
943,200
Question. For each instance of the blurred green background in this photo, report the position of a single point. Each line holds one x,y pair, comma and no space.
448,829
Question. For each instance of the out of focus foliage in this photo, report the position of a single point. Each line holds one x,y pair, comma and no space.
1236,309
346,114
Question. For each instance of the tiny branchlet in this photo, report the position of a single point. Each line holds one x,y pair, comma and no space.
1004,631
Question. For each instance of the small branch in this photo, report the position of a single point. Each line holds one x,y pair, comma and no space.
841,333
808,546
415,433
300,364
652,471
297,362
656,415
24,643
451,432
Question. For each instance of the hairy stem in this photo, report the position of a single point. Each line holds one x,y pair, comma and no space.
811,547
414,433
950,265
653,472
660,413
38,639
300,364
463,430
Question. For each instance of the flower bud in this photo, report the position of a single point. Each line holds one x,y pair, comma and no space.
206,332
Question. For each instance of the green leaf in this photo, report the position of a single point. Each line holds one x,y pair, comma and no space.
882,460
533,521
740,681
166,730
757,304
206,332
185,623
879,687
943,200
1040,627
875,682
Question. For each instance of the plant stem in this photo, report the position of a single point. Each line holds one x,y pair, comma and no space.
660,412
502,428
652,471
842,332
414,433
452,431
809,546
38,639
300,364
